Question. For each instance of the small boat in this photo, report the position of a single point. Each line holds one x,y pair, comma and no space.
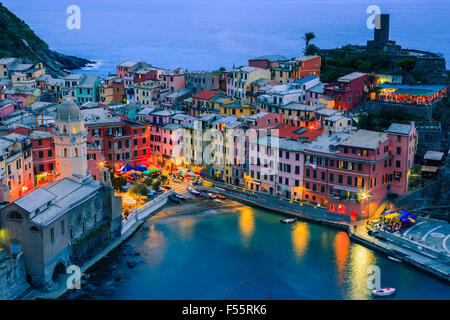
394,259
383,292
193,191
179,196
174,199
204,195
288,220
212,195
220,196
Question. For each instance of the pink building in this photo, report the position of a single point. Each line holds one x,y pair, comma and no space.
127,69
267,62
351,173
6,107
173,80
146,74
349,90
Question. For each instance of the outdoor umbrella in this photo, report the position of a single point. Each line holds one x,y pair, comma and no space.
140,167
126,168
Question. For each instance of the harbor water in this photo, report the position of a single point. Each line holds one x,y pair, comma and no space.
238,252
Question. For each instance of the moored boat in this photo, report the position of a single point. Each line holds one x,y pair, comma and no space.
394,259
193,191
383,292
290,220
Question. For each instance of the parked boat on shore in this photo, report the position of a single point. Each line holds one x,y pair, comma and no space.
193,191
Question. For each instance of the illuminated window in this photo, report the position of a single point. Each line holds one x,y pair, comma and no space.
341,208
65,152
74,129
76,152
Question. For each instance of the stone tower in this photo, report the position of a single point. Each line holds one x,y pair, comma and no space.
70,142
381,34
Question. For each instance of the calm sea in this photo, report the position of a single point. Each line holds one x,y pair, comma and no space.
207,34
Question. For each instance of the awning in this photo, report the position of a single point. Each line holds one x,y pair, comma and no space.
429,169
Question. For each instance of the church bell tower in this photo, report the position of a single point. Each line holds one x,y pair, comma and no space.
70,142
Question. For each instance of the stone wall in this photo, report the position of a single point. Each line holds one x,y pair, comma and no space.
419,113
12,277
430,138
432,200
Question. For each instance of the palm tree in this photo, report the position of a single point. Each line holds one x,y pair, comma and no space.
308,36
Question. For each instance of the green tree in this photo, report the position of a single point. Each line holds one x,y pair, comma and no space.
311,50
138,190
407,64
156,185
148,181
164,180
118,181
308,37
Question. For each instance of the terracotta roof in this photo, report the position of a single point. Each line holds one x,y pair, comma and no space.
205,95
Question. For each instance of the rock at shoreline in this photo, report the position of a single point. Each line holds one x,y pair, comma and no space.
19,41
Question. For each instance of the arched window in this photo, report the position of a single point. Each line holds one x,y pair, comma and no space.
76,152
74,129
64,129
65,152
14,216
34,229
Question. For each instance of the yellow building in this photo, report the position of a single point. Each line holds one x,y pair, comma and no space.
207,101
237,109
239,80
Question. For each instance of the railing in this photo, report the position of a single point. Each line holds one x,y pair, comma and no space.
144,211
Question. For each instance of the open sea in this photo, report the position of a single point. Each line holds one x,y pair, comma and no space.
208,34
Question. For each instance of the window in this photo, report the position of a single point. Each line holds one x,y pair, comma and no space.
15,216
331,177
41,154
52,235
63,228
65,152
349,180
399,150
397,163
76,152
340,179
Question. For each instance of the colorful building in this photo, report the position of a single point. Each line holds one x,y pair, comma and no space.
350,90
88,89
267,61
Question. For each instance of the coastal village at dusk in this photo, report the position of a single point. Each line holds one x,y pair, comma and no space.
354,139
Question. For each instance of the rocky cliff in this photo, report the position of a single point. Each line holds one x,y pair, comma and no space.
18,40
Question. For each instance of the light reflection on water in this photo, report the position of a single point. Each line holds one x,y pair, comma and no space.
155,246
300,238
246,224
341,247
